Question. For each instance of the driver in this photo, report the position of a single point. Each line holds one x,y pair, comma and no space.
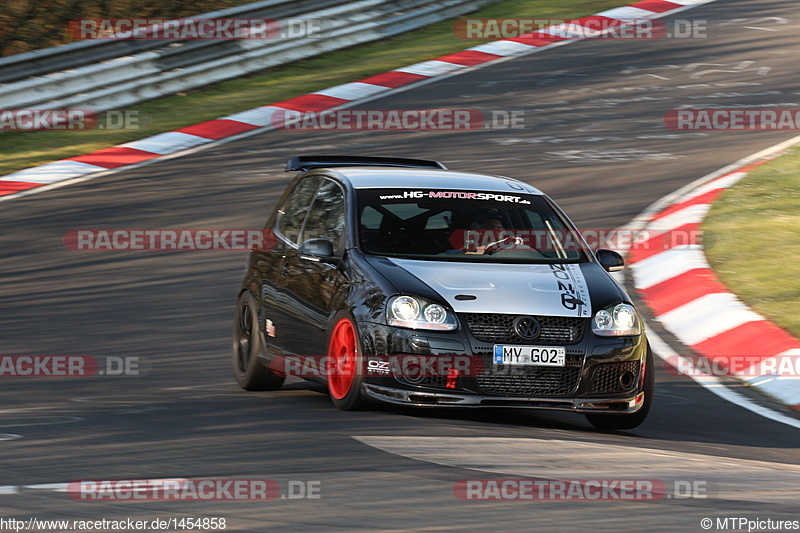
488,229
495,225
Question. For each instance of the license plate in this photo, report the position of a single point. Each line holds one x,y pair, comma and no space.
529,355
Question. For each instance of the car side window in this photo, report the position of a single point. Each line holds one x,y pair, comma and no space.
371,218
290,221
326,217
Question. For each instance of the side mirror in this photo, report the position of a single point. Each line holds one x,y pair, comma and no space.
318,250
610,260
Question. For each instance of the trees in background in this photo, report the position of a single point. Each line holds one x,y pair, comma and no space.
27,25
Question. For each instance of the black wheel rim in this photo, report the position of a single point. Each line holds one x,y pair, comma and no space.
245,337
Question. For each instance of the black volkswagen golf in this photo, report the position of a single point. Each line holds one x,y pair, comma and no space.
396,280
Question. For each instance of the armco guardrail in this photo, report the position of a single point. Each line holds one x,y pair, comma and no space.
78,54
164,70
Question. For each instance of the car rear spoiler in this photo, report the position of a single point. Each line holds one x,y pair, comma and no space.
325,161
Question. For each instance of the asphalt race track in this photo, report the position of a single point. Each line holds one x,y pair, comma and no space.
595,141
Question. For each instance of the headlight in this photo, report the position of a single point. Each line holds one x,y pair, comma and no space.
418,313
435,314
616,321
405,308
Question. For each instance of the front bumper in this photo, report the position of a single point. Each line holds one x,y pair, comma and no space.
419,398
589,382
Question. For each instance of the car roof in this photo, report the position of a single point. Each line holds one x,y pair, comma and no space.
382,177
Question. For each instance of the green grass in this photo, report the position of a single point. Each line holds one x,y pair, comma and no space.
20,150
756,228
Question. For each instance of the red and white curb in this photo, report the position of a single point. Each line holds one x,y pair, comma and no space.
686,297
259,119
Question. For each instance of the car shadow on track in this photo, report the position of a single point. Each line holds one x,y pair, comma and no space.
494,416
665,426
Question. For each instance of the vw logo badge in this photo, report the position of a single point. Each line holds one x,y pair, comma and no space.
527,327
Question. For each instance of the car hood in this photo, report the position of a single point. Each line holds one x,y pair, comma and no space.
549,289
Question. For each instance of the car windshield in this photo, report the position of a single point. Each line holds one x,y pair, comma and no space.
474,226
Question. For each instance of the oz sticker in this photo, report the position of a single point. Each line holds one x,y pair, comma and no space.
376,366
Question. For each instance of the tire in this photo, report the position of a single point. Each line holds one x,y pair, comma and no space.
249,371
618,422
345,365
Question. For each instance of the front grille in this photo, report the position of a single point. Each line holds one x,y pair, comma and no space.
531,381
539,381
606,376
498,328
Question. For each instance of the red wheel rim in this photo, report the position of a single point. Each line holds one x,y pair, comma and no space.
342,359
